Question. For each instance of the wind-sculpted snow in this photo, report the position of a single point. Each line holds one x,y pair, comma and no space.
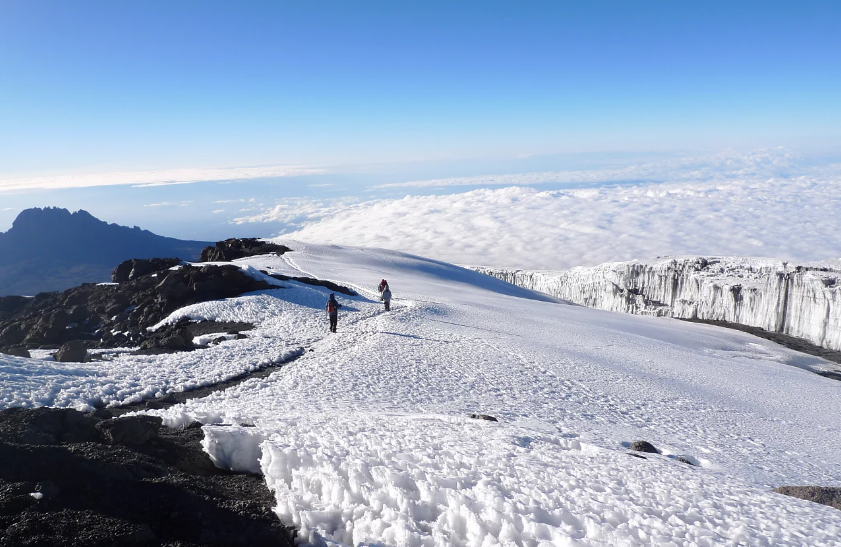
367,440
801,300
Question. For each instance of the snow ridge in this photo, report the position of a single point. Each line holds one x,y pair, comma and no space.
801,300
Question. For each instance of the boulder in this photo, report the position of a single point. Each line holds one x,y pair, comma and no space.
483,417
643,446
17,352
73,351
132,430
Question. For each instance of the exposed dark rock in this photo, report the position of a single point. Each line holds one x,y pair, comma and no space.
46,426
682,459
118,315
73,351
163,492
335,287
11,304
643,446
17,352
818,494
137,267
483,417
132,430
231,249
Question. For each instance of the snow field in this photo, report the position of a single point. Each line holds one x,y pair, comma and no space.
365,439
286,320
429,481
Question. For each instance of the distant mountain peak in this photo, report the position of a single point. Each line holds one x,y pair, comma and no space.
51,248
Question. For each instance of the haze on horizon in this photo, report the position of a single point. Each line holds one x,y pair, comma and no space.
205,120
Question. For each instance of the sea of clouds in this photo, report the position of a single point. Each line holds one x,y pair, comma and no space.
761,204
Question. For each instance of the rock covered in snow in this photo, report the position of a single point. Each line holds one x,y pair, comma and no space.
800,300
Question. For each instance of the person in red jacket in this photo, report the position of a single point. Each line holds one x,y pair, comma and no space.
333,311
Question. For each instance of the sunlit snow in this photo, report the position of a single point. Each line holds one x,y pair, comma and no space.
367,439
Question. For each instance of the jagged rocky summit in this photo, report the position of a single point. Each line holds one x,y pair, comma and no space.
52,249
799,300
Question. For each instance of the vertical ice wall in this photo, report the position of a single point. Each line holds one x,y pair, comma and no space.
802,300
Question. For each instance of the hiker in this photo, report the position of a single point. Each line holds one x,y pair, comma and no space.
385,296
333,311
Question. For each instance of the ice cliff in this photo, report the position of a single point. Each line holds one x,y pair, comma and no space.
802,300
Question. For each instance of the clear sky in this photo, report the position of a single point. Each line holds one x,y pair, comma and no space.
367,94
96,85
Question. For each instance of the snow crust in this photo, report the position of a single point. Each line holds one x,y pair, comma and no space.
366,439
798,299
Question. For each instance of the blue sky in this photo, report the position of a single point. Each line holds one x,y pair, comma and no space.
378,92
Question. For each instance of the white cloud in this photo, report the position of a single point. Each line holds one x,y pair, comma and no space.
300,211
169,204
722,166
795,218
155,178
218,211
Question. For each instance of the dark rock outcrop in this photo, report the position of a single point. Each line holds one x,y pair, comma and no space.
138,267
818,494
73,351
165,491
17,352
643,446
231,249
118,315
131,430
485,417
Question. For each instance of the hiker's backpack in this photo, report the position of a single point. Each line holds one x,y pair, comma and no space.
331,307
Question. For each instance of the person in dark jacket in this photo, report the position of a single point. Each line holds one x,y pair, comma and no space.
333,311
385,296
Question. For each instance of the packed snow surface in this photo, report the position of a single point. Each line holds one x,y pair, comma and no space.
367,439
287,319
798,299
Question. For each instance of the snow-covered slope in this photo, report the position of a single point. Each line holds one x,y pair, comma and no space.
802,300
367,440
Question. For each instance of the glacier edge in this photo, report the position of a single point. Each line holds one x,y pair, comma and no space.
798,299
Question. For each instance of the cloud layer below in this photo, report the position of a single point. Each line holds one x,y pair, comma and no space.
795,218
154,178
725,165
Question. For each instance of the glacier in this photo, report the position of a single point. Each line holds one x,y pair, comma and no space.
798,299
